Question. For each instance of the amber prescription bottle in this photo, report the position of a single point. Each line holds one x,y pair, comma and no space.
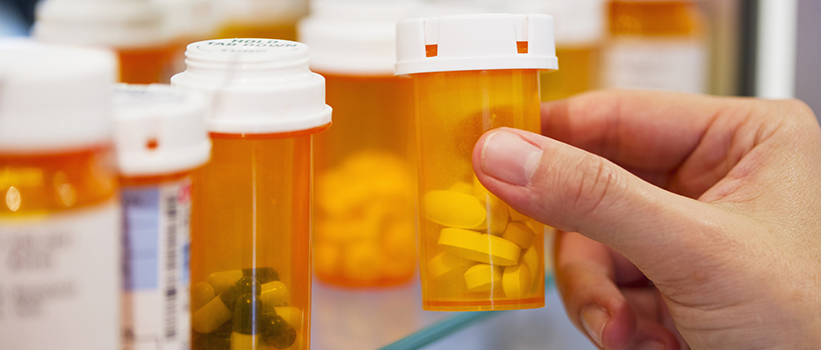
272,19
134,29
364,231
250,247
656,44
160,139
59,213
473,73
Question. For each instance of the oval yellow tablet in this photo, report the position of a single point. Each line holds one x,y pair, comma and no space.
498,214
454,209
462,187
479,190
520,234
479,247
537,227
483,277
516,216
445,264
531,259
517,281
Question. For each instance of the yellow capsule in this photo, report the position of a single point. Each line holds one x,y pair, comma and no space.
292,315
274,294
211,316
483,277
223,279
454,209
516,216
479,247
445,264
241,341
517,281
201,294
520,234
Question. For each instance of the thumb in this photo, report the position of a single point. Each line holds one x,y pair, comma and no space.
576,191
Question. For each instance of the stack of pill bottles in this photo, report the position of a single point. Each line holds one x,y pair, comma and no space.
134,29
272,19
251,214
473,73
364,232
160,138
656,44
59,211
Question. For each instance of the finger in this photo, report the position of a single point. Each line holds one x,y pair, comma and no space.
576,191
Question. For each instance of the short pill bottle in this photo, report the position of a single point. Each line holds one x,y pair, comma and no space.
251,214
656,44
364,229
134,29
271,19
59,209
473,73
160,138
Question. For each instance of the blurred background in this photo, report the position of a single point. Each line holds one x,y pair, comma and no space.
760,48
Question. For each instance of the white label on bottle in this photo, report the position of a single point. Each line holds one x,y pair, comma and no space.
60,280
678,65
155,256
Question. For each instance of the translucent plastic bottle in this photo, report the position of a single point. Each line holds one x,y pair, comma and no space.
656,44
365,195
59,213
272,19
250,248
160,138
132,28
472,74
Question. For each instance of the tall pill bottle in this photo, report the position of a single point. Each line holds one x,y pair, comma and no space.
272,19
160,139
656,44
134,29
251,214
59,212
470,74
364,231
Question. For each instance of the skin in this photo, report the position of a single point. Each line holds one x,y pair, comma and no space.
687,221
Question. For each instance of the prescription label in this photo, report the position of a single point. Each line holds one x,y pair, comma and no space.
155,265
678,65
60,280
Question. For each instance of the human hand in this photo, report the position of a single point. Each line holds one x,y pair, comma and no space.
698,218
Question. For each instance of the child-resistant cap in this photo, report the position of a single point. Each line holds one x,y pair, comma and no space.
159,129
255,86
355,37
113,23
54,98
577,22
475,42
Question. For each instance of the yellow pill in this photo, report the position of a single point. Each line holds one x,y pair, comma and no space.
498,214
292,315
517,216
224,279
274,294
483,277
517,281
479,190
520,234
241,341
445,265
211,316
462,187
537,227
479,247
201,294
531,260
454,209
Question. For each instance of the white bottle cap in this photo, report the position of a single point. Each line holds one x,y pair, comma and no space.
475,42
54,98
578,22
256,86
264,12
355,37
109,23
189,18
159,129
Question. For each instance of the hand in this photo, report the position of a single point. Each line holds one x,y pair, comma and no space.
698,218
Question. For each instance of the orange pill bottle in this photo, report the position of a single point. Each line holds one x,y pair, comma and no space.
134,29
251,214
59,212
272,19
473,73
364,232
160,139
656,44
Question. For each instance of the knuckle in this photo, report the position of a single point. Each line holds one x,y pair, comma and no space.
593,185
